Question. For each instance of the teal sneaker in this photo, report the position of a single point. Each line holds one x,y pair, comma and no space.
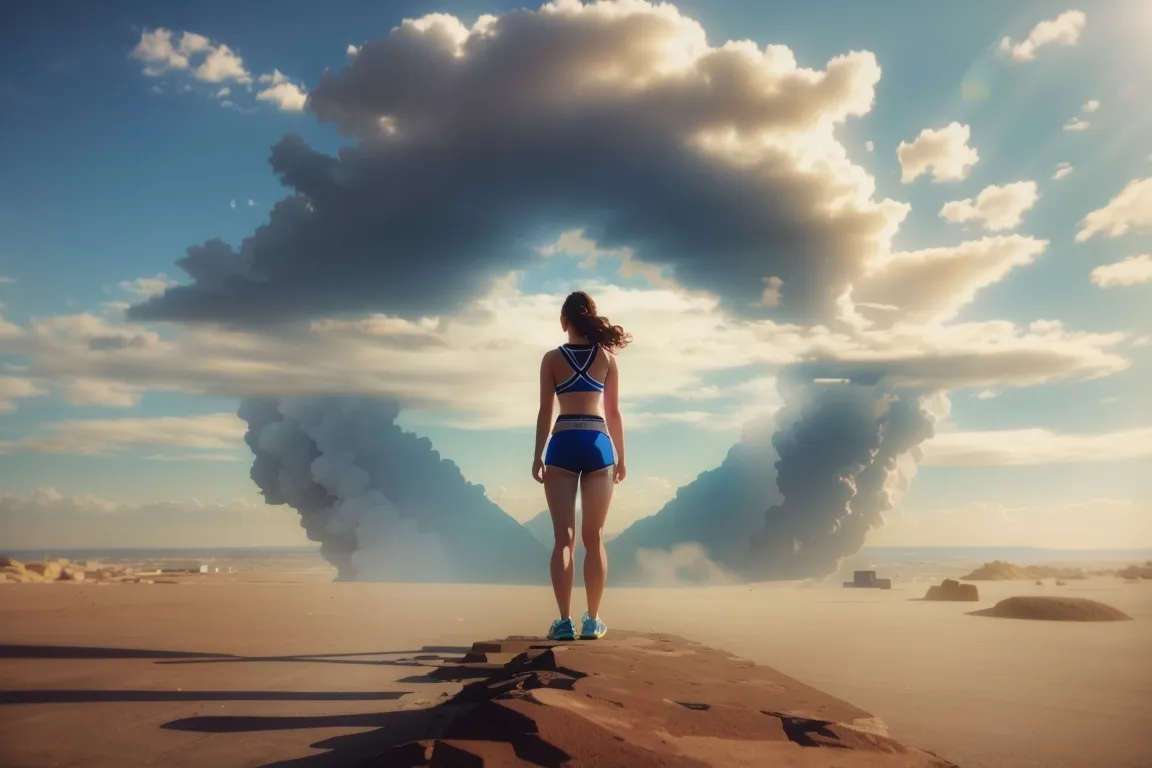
592,629
562,629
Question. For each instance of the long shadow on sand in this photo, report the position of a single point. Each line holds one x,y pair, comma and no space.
102,697
390,730
427,653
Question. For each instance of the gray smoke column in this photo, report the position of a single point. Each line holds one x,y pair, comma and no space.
381,502
840,447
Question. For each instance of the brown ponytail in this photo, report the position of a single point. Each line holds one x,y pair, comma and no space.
580,311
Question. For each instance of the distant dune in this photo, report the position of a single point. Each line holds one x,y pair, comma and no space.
1043,608
999,570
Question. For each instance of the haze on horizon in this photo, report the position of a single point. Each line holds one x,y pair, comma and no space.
764,198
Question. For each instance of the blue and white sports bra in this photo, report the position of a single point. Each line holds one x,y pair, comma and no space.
581,379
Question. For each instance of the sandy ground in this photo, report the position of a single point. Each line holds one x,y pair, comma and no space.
982,692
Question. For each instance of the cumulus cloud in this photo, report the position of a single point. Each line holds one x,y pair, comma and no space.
1130,210
944,152
1021,447
1062,170
162,51
933,284
288,96
996,208
1090,106
1064,30
161,54
1133,270
730,152
13,388
48,519
216,431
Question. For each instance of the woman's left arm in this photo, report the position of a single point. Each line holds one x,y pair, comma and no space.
547,402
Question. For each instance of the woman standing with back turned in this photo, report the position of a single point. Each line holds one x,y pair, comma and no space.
586,452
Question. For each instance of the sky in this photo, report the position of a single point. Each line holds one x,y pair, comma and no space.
202,203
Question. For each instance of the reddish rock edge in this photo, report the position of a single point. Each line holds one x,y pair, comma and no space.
636,700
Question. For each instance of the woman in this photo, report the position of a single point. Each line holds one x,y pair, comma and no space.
585,452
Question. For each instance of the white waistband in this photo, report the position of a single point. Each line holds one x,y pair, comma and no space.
593,424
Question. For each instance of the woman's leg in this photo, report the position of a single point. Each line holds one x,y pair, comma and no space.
595,497
560,491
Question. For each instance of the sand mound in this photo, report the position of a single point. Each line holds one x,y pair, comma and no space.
640,700
952,590
1053,609
999,570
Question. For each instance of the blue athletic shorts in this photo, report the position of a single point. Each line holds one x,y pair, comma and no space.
580,444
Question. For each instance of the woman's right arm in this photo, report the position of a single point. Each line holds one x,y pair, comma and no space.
612,415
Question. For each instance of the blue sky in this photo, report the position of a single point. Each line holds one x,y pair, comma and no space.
108,180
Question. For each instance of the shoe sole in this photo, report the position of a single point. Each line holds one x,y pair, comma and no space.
594,636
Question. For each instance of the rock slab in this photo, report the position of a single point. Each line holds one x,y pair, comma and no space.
639,700
952,590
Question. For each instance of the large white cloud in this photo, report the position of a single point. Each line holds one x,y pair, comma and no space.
720,162
944,152
1133,270
996,208
1063,30
1129,211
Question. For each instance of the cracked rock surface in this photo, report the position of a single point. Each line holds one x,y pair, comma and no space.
640,700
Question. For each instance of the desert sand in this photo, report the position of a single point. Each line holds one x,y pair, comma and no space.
247,670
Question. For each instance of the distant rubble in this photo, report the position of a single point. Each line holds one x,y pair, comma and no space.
1136,571
62,570
951,590
999,570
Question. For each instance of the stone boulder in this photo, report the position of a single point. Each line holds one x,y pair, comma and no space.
47,570
953,591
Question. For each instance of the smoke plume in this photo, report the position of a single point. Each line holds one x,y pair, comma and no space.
840,445
381,502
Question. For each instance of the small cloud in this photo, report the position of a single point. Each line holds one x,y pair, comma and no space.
1090,107
997,208
145,287
869,146
5,280
225,91
252,203
286,95
352,50
1062,170
1128,211
987,394
1134,270
232,204
1064,29
1077,124
945,151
